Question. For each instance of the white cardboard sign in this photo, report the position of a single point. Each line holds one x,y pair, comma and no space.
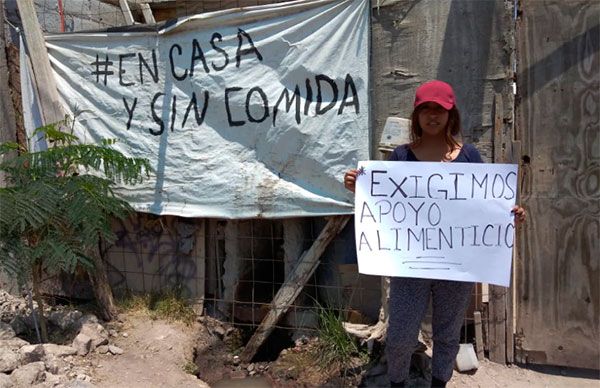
436,220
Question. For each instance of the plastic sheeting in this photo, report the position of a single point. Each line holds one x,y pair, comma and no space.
244,113
32,114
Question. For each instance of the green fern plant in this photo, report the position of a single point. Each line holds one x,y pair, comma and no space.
59,203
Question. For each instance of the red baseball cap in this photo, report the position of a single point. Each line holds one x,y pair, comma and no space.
435,91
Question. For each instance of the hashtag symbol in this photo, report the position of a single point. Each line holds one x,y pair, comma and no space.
106,63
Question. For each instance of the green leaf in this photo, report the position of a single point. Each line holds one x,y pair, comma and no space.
9,146
54,134
60,202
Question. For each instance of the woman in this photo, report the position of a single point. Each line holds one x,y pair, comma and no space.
435,137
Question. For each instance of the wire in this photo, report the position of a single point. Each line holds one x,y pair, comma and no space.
17,29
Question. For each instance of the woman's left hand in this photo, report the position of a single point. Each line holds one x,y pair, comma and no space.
520,214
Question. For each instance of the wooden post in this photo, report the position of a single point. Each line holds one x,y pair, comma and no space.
501,341
513,156
498,126
497,324
147,12
42,72
199,254
52,112
126,12
98,277
510,341
497,300
8,124
478,335
290,290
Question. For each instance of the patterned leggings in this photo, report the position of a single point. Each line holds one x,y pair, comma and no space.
409,299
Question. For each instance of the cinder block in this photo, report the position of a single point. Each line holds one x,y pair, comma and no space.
466,359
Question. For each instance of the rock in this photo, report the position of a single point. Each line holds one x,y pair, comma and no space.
236,360
113,333
125,335
6,331
219,331
9,360
29,321
303,340
250,368
51,379
83,377
252,373
115,349
102,349
29,374
31,353
18,325
83,344
88,318
96,332
13,343
65,319
55,365
80,384
59,350
5,381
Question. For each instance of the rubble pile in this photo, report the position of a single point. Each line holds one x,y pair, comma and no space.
25,364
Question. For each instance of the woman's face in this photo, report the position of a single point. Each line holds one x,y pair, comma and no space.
433,119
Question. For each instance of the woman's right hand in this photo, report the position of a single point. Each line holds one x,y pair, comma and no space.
350,179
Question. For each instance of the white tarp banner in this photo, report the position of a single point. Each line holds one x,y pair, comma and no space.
436,220
32,114
253,112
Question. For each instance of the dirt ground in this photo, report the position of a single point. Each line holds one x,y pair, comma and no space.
156,354
159,354
491,375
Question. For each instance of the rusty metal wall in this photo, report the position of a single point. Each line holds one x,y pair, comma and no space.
558,117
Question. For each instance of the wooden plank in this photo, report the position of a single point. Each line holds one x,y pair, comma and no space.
42,72
147,12
126,12
509,340
478,335
8,123
497,324
200,259
498,294
8,131
558,293
498,128
513,155
294,283
486,326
